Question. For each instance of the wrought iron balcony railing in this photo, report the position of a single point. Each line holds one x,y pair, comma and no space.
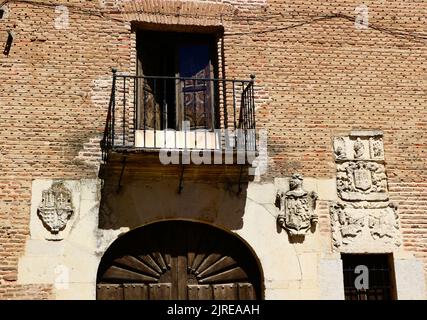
147,112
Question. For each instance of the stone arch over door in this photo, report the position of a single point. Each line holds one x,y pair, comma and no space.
180,260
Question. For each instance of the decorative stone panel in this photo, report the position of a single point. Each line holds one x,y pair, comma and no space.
361,180
56,207
359,145
362,226
363,220
296,207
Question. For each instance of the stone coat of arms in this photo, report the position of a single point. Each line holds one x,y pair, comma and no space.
296,207
363,219
362,180
56,208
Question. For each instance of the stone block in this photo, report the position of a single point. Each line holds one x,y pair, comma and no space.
410,279
262,193
331,280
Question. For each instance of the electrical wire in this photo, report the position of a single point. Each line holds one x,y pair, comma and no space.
402,33
393,32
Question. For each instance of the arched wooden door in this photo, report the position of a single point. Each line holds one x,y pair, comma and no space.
178,260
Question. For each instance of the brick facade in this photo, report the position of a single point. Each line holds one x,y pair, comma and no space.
317,76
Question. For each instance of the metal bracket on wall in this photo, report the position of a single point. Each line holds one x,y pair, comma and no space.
9,41
119,186
181,180
240,181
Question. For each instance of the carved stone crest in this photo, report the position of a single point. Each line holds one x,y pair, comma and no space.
385,224
359,148
297,207
362,180
357,226
359,145
376,146
56,208
345,226
363,220
340,148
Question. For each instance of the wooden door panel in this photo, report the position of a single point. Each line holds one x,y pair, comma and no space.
179,260
246,291
119,273
193,244
130,262
208,261
182,277
200,292
198,259
225,291
149,261
196,95
160,291
160,260
136,291
220,265
109,292
227,276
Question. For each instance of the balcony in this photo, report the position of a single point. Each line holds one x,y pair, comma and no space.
149,114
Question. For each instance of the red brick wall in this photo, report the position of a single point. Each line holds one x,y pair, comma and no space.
316,76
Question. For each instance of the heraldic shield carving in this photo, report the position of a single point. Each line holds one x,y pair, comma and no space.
363,219
56,208
362,180
297,208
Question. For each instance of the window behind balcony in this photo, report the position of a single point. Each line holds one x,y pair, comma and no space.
173,88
